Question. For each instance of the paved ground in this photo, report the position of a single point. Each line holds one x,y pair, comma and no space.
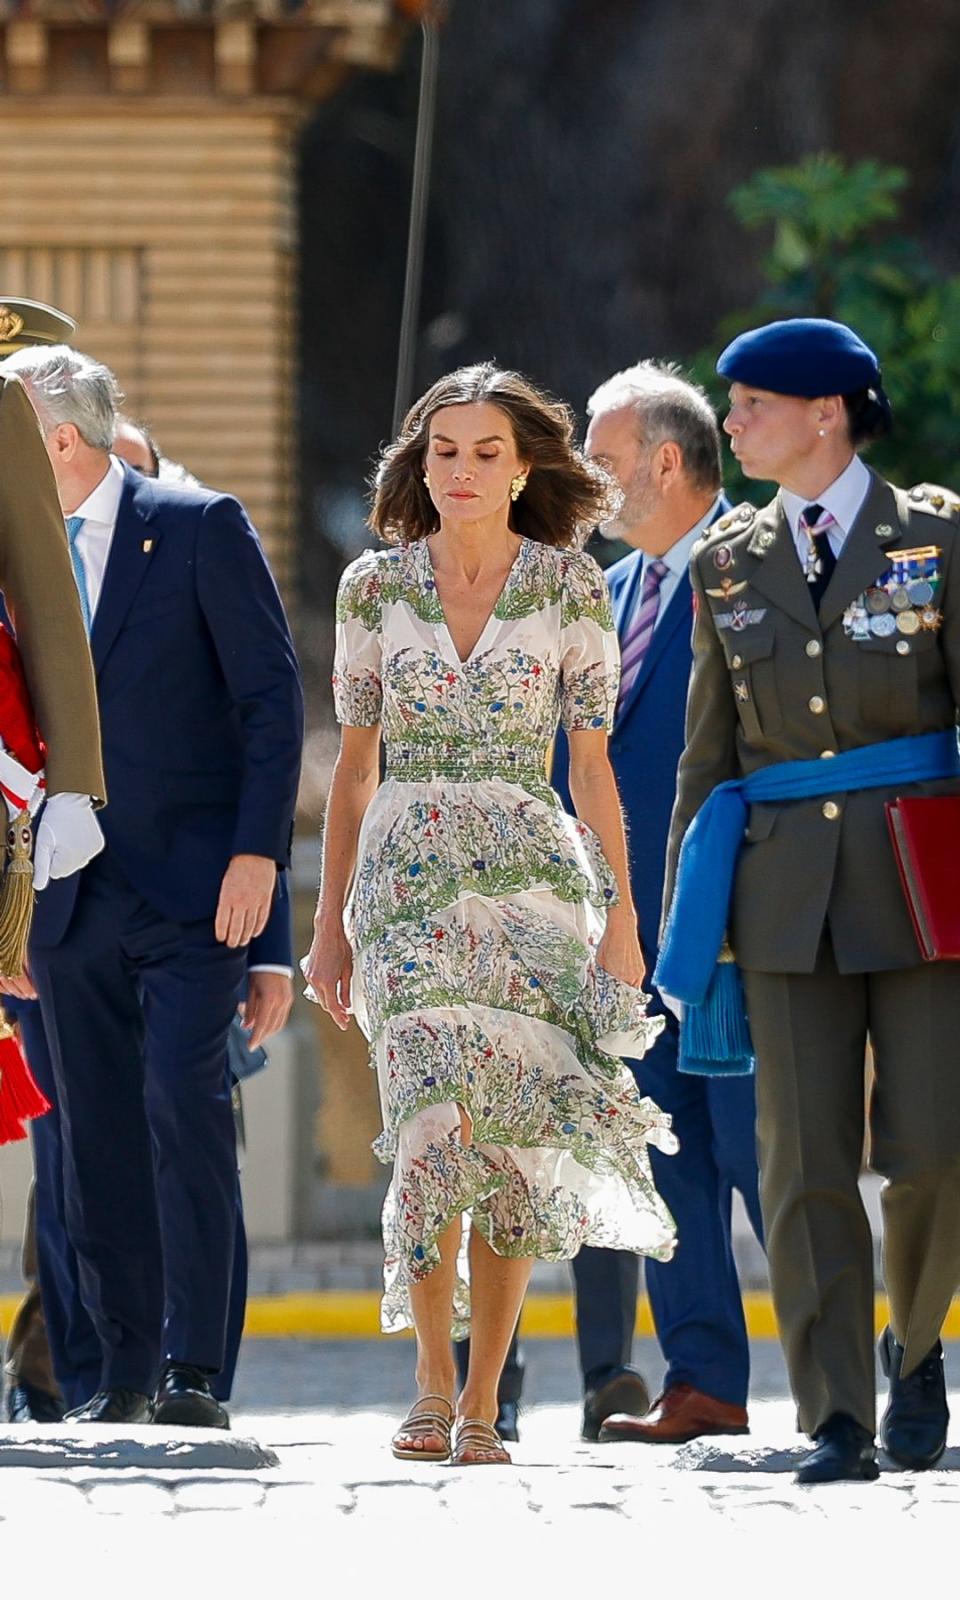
338,1516
322,1374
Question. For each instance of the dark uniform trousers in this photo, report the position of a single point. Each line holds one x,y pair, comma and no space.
808,1029
27,1358
820,927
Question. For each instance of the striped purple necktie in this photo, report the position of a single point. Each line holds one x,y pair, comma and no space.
639,631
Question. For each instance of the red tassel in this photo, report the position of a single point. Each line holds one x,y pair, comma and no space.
20,1098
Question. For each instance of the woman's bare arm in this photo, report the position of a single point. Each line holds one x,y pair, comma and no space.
593,790
356,775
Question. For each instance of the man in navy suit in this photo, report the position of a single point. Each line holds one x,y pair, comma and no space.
138,965
658,435
58,1367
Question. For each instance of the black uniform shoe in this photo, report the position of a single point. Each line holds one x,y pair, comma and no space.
913,1429
508,1421
114,1405
622,1393
844,1452
184,1400
26,1404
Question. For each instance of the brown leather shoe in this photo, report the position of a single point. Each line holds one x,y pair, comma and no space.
680,1414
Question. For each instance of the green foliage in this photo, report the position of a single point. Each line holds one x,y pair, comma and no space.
835,253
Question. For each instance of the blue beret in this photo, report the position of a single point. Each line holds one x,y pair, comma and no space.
806,356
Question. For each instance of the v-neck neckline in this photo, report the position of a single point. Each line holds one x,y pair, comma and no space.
464,661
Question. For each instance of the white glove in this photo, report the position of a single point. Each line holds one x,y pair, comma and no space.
21,789
676,1006
68,837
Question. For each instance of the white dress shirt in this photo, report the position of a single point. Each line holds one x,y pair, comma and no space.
677,561
99,513
843,499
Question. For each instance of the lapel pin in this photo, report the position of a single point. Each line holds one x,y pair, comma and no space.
762,541
147,546
883,530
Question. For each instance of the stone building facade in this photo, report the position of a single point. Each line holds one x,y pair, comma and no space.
147,187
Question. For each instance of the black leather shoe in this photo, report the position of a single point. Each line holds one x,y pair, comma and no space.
24,1403
913,1429
508,1421
184,1400
844,1452
622,1393
114,1405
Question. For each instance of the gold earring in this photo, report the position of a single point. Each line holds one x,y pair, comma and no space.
518,484
426,479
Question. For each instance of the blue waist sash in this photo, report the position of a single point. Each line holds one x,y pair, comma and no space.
694,966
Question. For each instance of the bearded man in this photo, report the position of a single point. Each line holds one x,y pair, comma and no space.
657,434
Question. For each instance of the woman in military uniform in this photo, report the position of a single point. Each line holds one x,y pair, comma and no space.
828,629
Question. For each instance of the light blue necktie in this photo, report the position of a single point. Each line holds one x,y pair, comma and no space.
74,524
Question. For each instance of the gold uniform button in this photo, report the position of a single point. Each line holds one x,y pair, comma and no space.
737,663
830,810
814,647
817,704
903,647
826,754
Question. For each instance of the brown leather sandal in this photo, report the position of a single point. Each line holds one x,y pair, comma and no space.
475,1436
420,1425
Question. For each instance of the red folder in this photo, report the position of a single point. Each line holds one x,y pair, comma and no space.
925,830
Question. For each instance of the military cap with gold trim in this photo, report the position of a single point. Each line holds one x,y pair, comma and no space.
27,322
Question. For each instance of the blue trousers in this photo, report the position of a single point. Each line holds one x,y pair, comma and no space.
72,1337
136,1011
695,1298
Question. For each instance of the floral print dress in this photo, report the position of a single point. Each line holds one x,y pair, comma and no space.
475,912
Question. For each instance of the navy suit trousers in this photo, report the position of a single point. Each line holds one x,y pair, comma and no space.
695,1298
74,1344
136,1011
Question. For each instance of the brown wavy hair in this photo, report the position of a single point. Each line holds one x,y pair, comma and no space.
565,497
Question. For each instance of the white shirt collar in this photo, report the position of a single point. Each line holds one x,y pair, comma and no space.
103,502
677,558
843,498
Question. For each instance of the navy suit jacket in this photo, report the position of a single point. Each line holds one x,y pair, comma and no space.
201,708
647,739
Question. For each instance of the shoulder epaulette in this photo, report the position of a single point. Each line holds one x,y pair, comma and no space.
732,522
938,502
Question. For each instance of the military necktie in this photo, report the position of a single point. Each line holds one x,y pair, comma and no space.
74,524
816,523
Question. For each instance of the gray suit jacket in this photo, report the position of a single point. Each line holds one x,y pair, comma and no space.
782,684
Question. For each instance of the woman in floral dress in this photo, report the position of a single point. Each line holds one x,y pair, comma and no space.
485,940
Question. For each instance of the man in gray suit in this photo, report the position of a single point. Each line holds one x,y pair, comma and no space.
829,623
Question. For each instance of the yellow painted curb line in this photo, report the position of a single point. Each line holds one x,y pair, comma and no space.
330,1314
334,1315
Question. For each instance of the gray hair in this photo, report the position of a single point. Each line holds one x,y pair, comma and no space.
66,386
667,407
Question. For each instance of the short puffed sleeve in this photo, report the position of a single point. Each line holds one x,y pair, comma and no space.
589,652
357,689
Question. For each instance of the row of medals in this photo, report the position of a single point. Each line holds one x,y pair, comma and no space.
895,607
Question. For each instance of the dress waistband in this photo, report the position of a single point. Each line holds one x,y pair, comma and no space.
410,764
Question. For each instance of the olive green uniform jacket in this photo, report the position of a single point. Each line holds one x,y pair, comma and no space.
784,684
36,578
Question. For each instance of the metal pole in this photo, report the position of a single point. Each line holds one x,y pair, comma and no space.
416,238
